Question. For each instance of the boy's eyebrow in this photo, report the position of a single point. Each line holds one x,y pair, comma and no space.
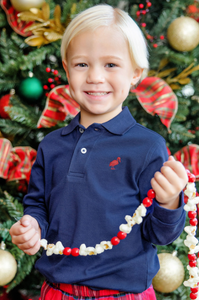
103,57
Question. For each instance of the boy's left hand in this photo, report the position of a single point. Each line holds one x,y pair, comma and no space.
168,183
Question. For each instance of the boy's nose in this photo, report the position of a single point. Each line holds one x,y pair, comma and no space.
95,75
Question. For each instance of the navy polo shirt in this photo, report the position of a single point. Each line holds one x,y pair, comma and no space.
83,183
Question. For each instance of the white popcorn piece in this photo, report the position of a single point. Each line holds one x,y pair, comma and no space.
50,249
82,250
58,248
44,243
106,245
193,271
190,190
190,230
191,282
125,228
190,241
91,251
141,210
130,220
191,204
99,249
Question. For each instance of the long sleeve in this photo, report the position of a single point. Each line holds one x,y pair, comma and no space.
161,226
34,201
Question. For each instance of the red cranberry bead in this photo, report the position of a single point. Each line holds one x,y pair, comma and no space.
121,235
193,263
193,222
191,256
75,252
48,70
147,202
192,214
151,194
67,251
191,178
193,296
186,199
195,289
115,241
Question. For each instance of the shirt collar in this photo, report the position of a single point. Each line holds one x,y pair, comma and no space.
118,125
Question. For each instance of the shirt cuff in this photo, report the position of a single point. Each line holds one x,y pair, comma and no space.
169,216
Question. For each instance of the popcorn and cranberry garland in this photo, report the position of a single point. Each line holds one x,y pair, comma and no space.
191,241
137,218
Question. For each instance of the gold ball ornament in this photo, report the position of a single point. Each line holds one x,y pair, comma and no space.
171,273
183,34
8,267
23,5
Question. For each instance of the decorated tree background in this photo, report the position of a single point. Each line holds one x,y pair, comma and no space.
35,99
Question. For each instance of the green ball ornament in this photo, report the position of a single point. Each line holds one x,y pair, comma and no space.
31,89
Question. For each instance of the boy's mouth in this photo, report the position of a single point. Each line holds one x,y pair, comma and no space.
97,93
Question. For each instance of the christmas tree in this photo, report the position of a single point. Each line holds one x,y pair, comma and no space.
35,99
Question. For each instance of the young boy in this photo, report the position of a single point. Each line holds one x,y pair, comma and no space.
89,175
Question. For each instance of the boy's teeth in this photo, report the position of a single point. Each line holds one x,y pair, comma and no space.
97,94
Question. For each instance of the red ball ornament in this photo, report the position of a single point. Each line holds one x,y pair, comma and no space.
138,13
149,4
55,72
48,70
4,102
50,80
162,37
45,87
147,202
67,251
121,235
143,12
155,45
141,5
143,24
75,252
115,241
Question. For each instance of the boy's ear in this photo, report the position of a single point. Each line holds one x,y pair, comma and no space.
136,76
65,66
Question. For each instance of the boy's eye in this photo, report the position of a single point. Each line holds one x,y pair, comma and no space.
111,65
82,65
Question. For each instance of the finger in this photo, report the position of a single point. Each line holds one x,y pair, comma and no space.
25,220
30,243
33,250
18,229
169,174
158,190
23,238
171,158
178,168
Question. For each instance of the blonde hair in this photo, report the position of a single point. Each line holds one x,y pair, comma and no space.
105,15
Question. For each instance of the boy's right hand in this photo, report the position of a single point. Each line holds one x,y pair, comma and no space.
26,234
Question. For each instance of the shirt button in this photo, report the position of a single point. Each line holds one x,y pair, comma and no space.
81,130
83,150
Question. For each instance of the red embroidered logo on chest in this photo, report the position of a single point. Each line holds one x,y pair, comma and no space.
114,163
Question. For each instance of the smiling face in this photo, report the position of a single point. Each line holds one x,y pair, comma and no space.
100,73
